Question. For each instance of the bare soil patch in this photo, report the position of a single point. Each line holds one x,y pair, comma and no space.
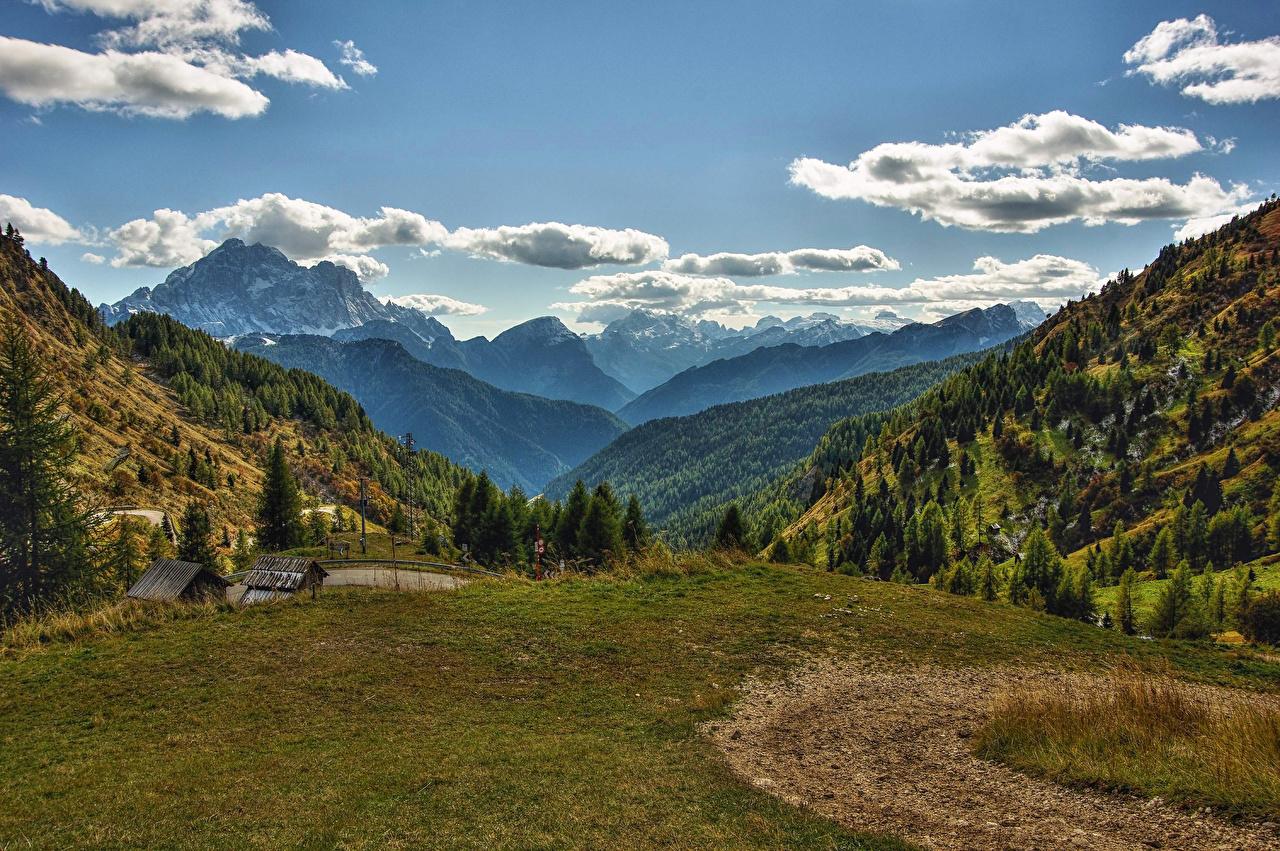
884,749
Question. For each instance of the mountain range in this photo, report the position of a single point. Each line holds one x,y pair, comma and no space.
518,438
774,369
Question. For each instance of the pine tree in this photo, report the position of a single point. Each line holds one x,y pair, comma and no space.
43,526
243,555
575,509
781,552
986,579
731,534
279,508
1125,621
318,526
634,529
1177,613
195,536
126,556
600,536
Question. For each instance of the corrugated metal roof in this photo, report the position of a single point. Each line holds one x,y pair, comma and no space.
262,595
282,573
168,578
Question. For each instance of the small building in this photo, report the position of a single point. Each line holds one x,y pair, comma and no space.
168,579
280,577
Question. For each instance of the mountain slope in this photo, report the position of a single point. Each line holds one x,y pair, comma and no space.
543,357
684,469
243,289
779,368
1152,405
166,414
518,438
645,348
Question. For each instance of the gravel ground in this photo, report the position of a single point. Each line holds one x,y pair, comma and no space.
885,749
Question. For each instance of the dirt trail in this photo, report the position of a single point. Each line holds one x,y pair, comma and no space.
885,750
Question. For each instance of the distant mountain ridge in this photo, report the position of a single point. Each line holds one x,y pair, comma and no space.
520,439
245,289
646,347
776,369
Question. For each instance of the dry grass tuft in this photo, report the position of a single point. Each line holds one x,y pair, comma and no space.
1144,733
77,622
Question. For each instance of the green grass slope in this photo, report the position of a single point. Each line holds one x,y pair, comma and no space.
505,715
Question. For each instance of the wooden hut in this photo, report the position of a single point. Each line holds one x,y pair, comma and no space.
168,579
278,577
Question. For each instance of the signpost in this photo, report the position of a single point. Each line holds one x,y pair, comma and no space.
538,548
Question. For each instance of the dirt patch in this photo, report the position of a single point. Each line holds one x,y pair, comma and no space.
885,749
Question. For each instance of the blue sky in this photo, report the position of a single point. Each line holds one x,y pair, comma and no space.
661,129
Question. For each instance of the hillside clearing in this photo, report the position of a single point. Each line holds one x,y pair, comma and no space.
500,715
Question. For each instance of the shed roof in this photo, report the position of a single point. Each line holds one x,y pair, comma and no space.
282,573
168,578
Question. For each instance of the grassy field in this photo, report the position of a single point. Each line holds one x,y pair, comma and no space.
506,714
1141,734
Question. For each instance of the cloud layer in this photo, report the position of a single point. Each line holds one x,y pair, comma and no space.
438,305
36,224
861,258
1024,177
168,59
1190,54
560,246
1044,277
309,232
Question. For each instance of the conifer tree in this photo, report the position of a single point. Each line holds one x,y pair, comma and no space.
570,521
731,534
781,553
634,529
279,508
1177,612
242,556
195,536
1125,621
43,523
126,555
600,537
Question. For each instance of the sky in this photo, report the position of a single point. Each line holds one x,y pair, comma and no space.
492,162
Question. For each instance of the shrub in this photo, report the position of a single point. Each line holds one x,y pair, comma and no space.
1261,620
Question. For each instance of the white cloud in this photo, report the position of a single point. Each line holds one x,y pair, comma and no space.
1197,227
438,305
560,246
368,269
305,230
353,58
1044,278
1190,54
151,84
174,58
861,258
169,23
36,224
92,259
1024,177
169,238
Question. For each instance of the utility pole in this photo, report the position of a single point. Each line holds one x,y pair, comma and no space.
408,445
364,503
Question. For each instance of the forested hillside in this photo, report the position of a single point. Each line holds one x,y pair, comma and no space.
164,414
1136,431
517,438
685,469
776,369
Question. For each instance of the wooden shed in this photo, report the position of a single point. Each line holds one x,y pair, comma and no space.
168,579
278,577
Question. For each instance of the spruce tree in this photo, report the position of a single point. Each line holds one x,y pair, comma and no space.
634,529
1125,621
600,536
279,508
195,536
43,523
126,555
731,534
575,509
